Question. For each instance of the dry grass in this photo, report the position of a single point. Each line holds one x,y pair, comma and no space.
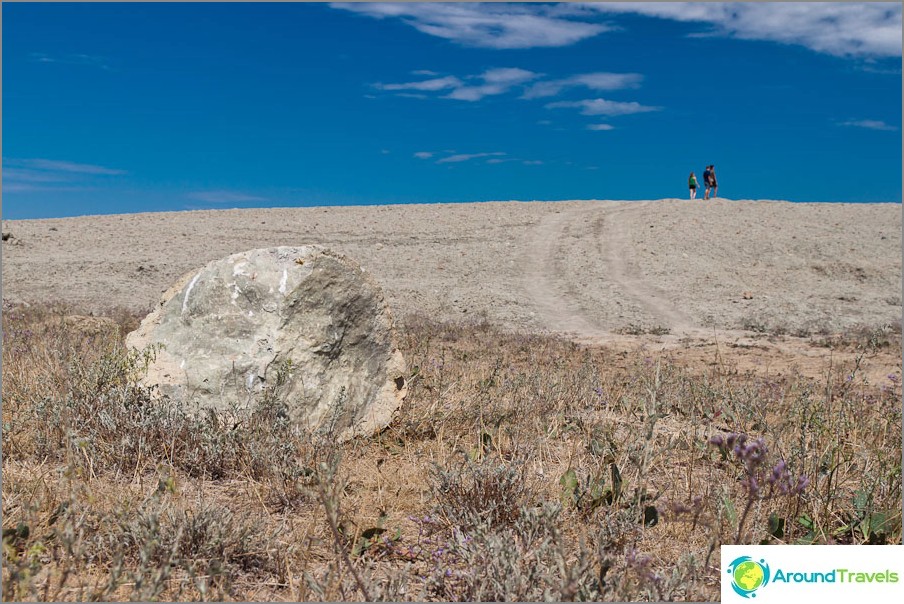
519,468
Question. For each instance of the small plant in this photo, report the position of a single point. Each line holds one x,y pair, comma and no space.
480,493
760,479
869,525
637,329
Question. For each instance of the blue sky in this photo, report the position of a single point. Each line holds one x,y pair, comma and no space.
113,108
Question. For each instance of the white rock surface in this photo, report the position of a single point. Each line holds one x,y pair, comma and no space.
229,327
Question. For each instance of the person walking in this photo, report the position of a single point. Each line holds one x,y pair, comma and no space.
712,180
692,185
707,181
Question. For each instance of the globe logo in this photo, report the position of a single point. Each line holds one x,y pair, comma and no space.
748,575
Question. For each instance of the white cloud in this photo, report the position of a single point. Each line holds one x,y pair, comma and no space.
604,107
21,175
224,197
25,175
871,125
607,81
491,158
507,76
501,80
496,81
19,187
855,29
453,159
600,127
66,166
491,82
71,59
593,81
859,29
431,85
487,25
423,154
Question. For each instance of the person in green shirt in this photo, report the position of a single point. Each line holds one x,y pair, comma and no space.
692,185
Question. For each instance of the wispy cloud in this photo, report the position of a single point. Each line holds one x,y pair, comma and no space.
501,80
67,166
604,107
460,157
224,197
857,29
486,25
593,81
871,125
847,29
470,88
496,81
25,175
71,59
27,187
21,175
491,158
431,85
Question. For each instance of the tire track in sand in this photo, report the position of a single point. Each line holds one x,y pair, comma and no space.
615,243
545,278
557,310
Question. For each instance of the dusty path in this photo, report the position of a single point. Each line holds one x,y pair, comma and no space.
544,265
615,243
560,266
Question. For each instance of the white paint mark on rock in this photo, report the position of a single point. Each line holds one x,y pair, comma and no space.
283,280
188,291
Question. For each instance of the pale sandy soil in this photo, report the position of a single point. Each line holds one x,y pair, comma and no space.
755,286
586,267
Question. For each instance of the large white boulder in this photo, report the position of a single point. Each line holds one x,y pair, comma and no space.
227,328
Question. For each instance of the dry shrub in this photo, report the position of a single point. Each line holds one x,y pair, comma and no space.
520,467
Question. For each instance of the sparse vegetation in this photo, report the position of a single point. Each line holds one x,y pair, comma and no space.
635,329
520,467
